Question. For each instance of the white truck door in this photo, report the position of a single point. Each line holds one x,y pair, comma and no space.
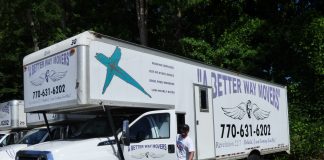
152,136
204,122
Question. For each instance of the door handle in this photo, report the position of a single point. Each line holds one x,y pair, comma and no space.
171,148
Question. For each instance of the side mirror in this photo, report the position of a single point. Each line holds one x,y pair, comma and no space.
125,133
1,145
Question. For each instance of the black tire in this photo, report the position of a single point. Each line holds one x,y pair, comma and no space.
254,157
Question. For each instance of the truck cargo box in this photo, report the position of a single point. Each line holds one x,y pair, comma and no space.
72,75
12,115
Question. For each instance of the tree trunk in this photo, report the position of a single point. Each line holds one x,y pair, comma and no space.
178,21
64,17
33,30
141,9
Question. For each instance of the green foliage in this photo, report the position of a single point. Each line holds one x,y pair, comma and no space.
307,138
311,44
235,48
197,49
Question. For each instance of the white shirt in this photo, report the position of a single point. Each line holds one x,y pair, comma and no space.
184,146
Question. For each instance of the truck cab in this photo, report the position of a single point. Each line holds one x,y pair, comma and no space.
151,135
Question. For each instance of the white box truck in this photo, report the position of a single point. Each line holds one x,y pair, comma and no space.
230,115
12,115
12,121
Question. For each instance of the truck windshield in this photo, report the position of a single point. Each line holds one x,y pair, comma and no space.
33,137
1,135
94,128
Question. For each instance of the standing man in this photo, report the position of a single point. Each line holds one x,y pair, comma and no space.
185,147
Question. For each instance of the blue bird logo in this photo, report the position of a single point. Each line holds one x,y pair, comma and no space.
49,74
114,70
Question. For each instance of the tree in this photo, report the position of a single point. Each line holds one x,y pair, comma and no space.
142,11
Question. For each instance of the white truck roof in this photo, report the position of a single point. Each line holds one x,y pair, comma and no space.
82,39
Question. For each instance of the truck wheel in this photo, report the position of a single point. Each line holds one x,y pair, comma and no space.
254,157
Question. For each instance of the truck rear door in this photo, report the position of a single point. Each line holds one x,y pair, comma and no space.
152,136
204,122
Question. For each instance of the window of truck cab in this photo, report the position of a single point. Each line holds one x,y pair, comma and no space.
33,136
153,126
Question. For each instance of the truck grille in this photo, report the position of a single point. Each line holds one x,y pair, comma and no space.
33,155
28,158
